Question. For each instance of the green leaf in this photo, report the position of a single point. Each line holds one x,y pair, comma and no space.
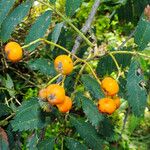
4,110
74,144
92,86
91,111
32,142
72,6
56,33
106,64
53,1
142,33
3,144
42,65
28,116
47,144
136,93
133,123
10,86
13,19
38,29
5,7
87,132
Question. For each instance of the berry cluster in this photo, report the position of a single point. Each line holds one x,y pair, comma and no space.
111,102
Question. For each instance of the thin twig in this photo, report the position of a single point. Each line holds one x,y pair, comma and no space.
86,26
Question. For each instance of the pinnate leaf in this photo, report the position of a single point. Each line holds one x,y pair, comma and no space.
87,132
92,86
4,110
28,116
71,6
142,33
74,144
13,19
91,111
136,93
38,29
42,65
47,144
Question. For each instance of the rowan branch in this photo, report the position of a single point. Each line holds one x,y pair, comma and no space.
86,26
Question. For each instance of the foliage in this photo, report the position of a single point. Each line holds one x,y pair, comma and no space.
45,29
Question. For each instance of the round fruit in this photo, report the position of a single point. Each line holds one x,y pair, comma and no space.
55,94
63,64
117,102
43,94
106,105
66,105
110,86
13,51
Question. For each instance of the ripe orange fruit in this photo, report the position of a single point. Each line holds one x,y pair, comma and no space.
106,105
13,51
63,64
66,105
110,86
55,94
117,102
43,94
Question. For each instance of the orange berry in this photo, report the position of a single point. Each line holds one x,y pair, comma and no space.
55,94
66,105
117,102
110,86
43,94
13,51
63,64
106,105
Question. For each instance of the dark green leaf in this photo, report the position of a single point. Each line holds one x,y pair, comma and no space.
3,143
92,86
142,33
28,116
74,144
32,142
5,7
72,6
38,29
53,1
13,19
42,65
47,144
91,111
88,133
136,93
4,110
56,33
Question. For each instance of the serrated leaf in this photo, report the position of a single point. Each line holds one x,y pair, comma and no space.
5,7
28,116
42,65
10,86
38,29
106,64
92,86
72,6
91,111
47,144
136,93
74,144
87,132
32,142
4,110
13,19
142,33
3,144
56,32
